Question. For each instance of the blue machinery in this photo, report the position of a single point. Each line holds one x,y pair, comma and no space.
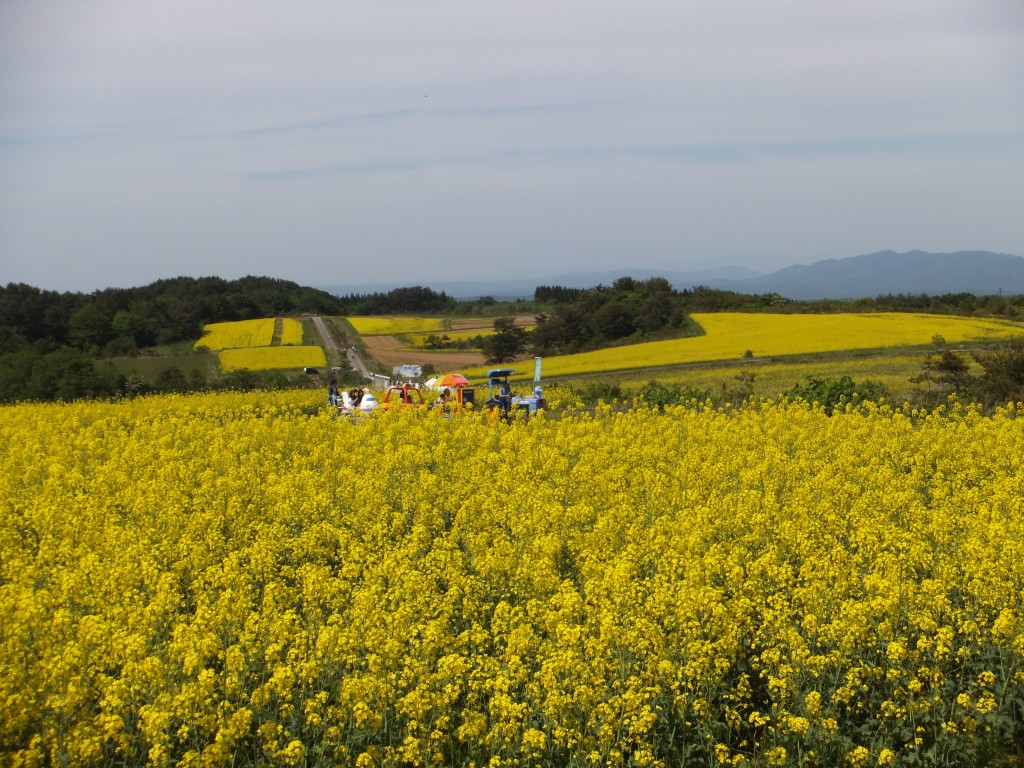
496,377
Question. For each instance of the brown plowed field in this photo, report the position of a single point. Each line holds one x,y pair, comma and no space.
389,352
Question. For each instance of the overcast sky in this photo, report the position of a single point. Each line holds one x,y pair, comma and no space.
338,142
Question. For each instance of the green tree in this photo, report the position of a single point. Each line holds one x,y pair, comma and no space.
942,372
90,326
74,375
1003,379
614,320
134,326
172,379
506,343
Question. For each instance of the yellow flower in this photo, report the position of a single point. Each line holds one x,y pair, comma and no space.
857,757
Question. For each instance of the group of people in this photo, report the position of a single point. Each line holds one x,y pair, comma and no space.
348,400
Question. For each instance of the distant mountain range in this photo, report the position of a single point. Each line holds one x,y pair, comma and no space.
886,272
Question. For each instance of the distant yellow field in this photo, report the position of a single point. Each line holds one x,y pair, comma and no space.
418,339
389,326
729,335
240,333
416,328
291,332
269,358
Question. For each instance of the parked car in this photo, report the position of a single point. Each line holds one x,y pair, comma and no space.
311,371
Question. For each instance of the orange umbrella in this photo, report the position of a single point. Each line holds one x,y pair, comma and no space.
451,380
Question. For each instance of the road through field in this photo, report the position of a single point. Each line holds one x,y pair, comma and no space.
331,344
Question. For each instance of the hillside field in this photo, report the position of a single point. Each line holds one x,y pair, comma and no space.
732,336
779,350
245,579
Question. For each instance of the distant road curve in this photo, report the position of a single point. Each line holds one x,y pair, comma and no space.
332,344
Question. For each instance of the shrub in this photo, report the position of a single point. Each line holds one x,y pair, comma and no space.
657,395
832,393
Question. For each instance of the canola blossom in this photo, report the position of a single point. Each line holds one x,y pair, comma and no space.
385,325
291,331
246,579
237,334
246,344
729,335
415,329
271,358
418,339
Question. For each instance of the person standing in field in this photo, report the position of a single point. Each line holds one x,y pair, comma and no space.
505,396
333,396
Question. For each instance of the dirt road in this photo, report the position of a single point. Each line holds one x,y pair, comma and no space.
331,344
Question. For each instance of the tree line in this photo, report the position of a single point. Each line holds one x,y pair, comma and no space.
415,299
701,298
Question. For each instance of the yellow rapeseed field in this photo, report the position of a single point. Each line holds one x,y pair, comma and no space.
391,325
270,358
238,334
291,332
246,579
729,335
418,339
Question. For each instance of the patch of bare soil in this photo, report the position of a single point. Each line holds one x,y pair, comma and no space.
389,352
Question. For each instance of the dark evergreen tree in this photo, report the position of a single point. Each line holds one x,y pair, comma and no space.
507,342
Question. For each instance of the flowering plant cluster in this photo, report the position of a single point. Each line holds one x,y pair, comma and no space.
238,334
271,358
237,579
389,325
291,331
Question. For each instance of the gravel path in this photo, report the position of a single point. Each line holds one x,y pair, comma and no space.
332,344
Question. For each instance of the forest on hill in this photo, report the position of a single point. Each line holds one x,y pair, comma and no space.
51,341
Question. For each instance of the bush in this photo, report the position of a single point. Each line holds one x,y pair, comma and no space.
597,391
657,395
831,393
1003,379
